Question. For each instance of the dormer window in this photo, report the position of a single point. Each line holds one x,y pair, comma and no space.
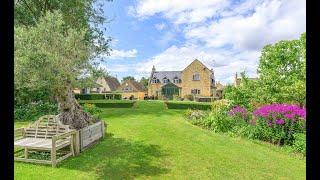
176,80
196,77
165,80
154,80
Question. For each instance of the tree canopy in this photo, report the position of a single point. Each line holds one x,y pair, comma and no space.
282,76
128,78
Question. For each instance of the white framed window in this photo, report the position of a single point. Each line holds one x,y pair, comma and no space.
196,77
195,91
165,80
154,80
176,80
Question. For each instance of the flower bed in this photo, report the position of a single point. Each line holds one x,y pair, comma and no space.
279,122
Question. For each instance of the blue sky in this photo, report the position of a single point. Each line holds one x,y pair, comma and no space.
225,35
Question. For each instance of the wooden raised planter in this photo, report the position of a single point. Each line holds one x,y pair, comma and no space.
88,136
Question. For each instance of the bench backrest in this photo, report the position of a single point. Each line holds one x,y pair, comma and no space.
46,127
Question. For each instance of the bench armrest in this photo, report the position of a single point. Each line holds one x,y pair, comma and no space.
63,135
19,133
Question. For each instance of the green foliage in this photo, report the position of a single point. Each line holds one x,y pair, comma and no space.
46,57
91,108
299,143
128,78
151,142
77,14
144,81
97,96
282,70
188,105
109,103
282,77
220,105
194,114
32,111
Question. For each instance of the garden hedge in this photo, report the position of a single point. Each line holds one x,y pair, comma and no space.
109,103
98,96
188,105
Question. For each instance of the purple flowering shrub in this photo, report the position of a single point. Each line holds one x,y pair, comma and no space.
278,122
239,113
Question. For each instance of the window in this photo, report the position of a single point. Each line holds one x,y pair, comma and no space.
127,88
196,77
154,80
176,80
165,80
195,91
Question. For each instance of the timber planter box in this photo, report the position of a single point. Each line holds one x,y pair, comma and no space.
88,136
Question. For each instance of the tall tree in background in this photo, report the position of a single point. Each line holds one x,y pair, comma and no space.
128,78
282,70
144,81
54,48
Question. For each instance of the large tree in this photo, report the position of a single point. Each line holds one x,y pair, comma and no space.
128,78
51,56
144,81
77,14
282,70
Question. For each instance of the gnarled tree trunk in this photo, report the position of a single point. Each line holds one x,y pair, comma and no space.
70,112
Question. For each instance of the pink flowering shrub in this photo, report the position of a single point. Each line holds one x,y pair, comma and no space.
278,122
239,113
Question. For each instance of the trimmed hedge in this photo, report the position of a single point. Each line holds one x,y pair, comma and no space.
188,105
109,103
97,96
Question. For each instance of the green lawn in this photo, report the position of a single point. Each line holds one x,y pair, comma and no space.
151,142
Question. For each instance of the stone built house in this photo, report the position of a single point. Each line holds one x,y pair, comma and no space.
108,84
196,79
104,85
131,88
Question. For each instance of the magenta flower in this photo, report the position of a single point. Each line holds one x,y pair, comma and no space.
238,111
280,121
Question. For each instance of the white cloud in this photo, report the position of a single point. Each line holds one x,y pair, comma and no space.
160,26
120,54
178,11
272,21
230,33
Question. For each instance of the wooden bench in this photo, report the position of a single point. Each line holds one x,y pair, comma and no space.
46,134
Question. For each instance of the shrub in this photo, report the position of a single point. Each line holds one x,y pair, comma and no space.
299,143
109,103
33,111
218,122
194,114
278,122
219,105
239,114
90,96
91,108
176,98
113,96
188,105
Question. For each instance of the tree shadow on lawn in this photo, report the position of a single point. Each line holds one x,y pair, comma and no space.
118,158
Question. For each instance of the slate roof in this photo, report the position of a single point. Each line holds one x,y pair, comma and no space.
168,74
112,82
